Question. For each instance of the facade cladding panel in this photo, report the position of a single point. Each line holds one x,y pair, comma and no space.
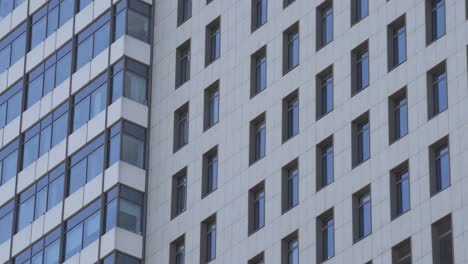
220,131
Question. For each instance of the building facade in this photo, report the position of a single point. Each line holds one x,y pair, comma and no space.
233,131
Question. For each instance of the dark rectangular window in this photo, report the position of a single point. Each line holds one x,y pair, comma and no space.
257,207
290,48
45,135
324,24
361,139
13,47
439,165
359,10
360,68
183,63
398,115
290,249
291,115
86,164
130,80
42,196
286,3
437,91
6,221
325,236
45,250
208,240
258,75
401,253
7,6
127,143
210,172
435,20
258,259
290,186
133,18
9,162
48,19
124,208
211,116
184,11
259,13
324,92
49,74
257,138
213,41
362,214
179,192
11,104
93,40
442,241
82,229
177,254
396,42
181,127
89,101
325,163
400,190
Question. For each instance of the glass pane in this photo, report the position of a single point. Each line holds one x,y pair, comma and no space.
14,107
18,48
3,109
49,79
26,213
4,58
6,6
36,259
440,19
52,20
133,150
114,152
55,192
30,151
7,226
130,216
442,93
101,39
95,163
135,87
81,113
83,3
45,142
59,129
98,101
41,203
52,253
111,215
38,32
401,45
34,90
66,11
77,176
91,229
84,52
9,167
63,69
117,86
119,25
73,241
138,26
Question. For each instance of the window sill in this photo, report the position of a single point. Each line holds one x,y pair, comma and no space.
319,117
255,231
393,141
289,209
324,186
436,114
429,43
398,216
355,92
208,193
253,162
355,22
357,164
439,191
396,66
361,238
286,71
176,215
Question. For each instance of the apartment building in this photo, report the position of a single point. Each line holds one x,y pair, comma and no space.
233,131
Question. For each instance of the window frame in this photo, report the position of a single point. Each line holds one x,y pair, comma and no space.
181,127
183,59
213,41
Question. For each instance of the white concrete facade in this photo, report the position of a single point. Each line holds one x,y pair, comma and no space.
237,109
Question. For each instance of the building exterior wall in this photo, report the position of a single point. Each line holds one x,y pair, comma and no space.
237,109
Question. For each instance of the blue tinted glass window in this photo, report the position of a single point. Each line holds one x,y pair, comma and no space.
138,25
98,101
4,59
52,20
73,241
6,222
95,163
9,166
83,3
77,176
442,168
91,229
66,11
403,192
81,113
84,52
38,32
6,6
365,219
101,39
30,151
34,92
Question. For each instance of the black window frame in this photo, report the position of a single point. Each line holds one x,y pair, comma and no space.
181,124
124,66
183,59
